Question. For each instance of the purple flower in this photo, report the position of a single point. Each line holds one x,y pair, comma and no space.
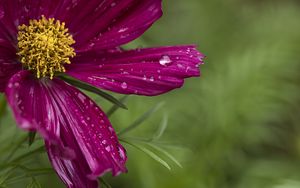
40,39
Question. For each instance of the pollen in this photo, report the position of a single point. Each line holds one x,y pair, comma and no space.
45,46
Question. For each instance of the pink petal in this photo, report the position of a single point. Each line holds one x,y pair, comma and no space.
17,12
8,64
72,172
74,126
149,71
95,24
32,105
112,23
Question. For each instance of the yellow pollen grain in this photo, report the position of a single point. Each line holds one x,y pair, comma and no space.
45,46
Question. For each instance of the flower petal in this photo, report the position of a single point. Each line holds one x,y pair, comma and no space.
72,172
149,71
17,12
8,65
108,24
67,119
32,105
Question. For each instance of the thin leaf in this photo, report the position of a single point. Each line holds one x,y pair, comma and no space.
149,140
40,149
149,153
34,184
104,183
167,154
95,90
32,174
161,129
141,119
16,146
115,107
6,176
31,137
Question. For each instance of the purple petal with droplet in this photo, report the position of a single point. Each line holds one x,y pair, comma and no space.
74,126
149,71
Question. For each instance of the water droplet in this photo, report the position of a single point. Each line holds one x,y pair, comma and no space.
124,85
123,29
111,129
81,97
113,4
108,148
180,66
187,69
200,58
122,152
92,44
165,60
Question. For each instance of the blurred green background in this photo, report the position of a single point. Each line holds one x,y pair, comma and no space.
237,126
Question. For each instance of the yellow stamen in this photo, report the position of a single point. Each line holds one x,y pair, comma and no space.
45,46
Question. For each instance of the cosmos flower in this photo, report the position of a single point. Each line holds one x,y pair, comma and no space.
41,39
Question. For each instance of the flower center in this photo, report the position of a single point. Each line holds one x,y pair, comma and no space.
45,46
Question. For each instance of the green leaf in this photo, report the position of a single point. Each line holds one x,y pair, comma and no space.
34,184
3,179
149,153
177,146
115,107
15,147
161,129
6,176
93,89
31,137
167,154
40,149
141,119
104,183
30,173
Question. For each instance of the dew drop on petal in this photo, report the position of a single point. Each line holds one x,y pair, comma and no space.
122,153
180,66
165,60
124,85
81,97
111,129
113,4
108,149
16,84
